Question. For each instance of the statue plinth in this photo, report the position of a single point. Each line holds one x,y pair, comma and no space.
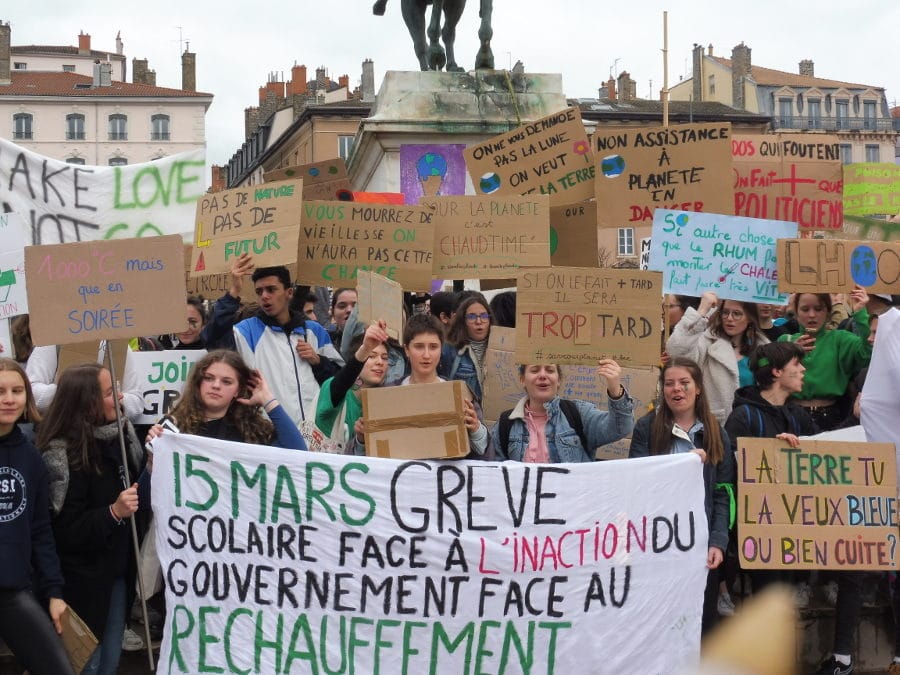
432,107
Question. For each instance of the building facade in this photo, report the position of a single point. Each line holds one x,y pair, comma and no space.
300,122
797,102
69,103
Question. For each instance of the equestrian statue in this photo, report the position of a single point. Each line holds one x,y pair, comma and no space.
431,54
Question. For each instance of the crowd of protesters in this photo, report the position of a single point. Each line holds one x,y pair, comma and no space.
278,373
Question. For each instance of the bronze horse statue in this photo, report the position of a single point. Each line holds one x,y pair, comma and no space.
432,55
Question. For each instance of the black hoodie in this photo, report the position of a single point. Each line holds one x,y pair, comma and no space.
26,537
754,417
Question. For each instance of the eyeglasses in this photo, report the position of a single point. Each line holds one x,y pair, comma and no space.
733,313
472,318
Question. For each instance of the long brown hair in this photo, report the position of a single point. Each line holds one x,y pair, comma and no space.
750,338
76,410
661,428
30,414
457,331
189,412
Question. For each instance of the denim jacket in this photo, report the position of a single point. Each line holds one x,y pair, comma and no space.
600,427
466,370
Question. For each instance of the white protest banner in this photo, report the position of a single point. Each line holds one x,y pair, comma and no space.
13,297
732,256
63,202
158,378
279,561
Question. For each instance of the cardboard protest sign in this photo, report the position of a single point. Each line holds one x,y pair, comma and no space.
488,237
575,315
77,353
837,265
824,505
380,298
13,296
788,177
208,285
338,239
420,421
550,156
158,378
871,189
321,180
436,558
61,202
686,167
261,220
432,170
732,256
573,235
120,288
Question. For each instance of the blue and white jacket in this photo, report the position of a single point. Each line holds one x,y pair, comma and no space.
600,427
272,349
461,364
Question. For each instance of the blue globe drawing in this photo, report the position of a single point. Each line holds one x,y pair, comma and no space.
314,171
863,266
431,164
490,182
612,166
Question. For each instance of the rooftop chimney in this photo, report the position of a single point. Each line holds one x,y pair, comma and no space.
697,75
368,81
626,86
5,32
740,69
610,90
709,49
344,81
106,74
188,71
84,43
298,80
807,68
321,78
120,46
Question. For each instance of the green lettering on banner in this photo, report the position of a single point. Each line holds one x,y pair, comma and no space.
358,494
283,481
238,472
260,643
439,637
526,656
481,651
179,635
302,624
206,639
314,494
229,625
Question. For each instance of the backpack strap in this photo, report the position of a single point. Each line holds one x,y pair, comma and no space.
570,409
504,424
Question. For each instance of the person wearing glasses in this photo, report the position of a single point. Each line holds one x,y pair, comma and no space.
462,357
719,336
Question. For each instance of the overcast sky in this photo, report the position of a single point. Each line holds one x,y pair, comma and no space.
239,43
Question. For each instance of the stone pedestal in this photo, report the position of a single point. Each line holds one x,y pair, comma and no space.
441,108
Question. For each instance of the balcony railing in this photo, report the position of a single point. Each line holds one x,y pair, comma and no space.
836,123
118,135
159,136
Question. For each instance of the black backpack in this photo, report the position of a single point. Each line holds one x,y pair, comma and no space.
568,408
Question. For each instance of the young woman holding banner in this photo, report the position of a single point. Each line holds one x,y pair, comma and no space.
683,422
91,504
545,428
26,537
224,399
